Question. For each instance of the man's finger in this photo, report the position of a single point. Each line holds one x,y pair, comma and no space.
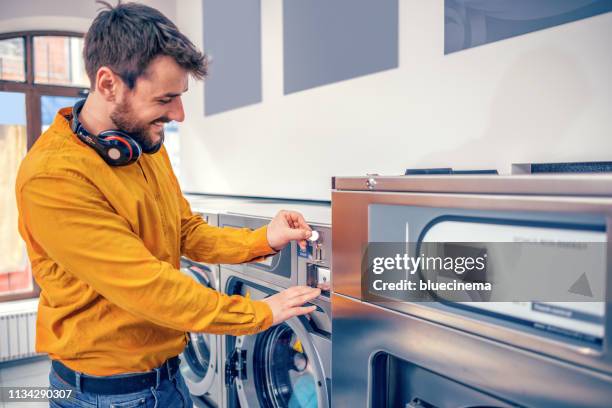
324,286
299,221
291,222
300,290
298,234
287,215
298,311
305,297
299,301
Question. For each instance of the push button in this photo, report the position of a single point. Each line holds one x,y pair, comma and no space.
323,278
318,277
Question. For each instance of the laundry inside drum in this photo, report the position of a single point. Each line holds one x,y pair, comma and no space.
285,376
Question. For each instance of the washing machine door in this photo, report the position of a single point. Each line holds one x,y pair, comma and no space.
281,367
199,359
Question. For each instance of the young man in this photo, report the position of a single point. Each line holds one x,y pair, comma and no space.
105,228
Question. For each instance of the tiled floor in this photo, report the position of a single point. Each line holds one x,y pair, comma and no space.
30,373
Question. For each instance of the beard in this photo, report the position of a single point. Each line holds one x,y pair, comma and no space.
124,119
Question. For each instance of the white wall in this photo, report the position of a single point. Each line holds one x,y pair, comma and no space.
542,97
67,15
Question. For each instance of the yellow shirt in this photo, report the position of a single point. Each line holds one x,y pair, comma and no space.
105,245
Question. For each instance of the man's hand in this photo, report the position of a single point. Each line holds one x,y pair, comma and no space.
288,303
288,226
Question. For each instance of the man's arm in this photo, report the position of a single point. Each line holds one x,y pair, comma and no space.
206,243
69,219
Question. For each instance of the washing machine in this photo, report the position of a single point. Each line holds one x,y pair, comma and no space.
200,358
288,365
551,350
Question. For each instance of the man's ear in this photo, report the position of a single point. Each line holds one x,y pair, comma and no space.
108,84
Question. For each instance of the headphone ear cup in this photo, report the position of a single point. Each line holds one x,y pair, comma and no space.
119,148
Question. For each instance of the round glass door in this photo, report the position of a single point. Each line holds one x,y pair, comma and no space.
284,376
198,361
197,354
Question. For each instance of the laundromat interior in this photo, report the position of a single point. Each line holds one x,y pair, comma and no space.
306,203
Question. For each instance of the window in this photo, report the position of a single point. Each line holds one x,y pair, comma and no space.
12,59
40,72
58,60
49,105
15,274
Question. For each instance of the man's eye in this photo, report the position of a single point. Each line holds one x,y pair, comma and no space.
164,101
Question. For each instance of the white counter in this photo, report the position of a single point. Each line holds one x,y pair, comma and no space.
316,213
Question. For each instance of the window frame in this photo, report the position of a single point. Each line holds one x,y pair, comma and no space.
33,93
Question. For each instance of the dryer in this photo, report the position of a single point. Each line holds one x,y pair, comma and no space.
288,365
434,353
201,356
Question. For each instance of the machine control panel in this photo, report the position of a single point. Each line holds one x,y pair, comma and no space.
318,277
314,263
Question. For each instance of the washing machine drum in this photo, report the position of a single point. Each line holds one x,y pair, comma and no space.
199,361
283,368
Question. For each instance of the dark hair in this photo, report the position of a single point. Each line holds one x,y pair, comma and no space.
127,37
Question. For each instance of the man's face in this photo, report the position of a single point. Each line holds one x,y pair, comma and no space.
155,100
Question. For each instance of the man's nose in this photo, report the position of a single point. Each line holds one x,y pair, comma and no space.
177,113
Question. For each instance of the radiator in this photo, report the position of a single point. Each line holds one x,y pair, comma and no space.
17,330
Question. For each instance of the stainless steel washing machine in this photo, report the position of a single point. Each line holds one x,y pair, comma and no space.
201,358
288,365
439,354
